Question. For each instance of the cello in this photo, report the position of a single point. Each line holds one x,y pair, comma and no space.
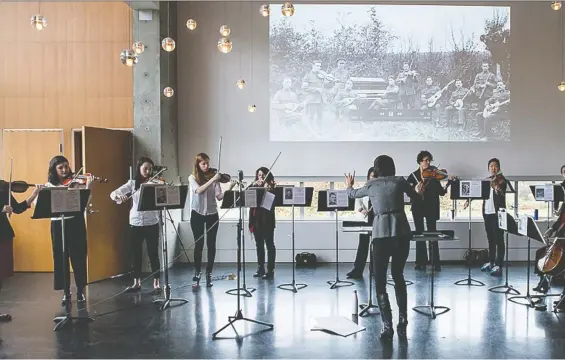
553,262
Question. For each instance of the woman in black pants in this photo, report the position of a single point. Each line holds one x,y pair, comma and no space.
262,225
391,237
144,225
204,218
75,237
364,208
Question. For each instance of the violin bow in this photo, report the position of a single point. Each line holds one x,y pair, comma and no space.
270,168
219,154
10,187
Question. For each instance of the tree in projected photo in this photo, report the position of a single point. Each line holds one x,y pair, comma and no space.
363,81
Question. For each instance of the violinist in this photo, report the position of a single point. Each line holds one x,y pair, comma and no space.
7,233
205,189
262,225
144,225
75,234
495,235
313,85
428,208
365,207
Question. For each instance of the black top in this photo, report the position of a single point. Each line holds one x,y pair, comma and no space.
261,218
429,205
498,199
6,231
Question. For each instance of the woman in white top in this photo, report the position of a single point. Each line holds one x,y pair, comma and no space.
205,190
75,236
144,225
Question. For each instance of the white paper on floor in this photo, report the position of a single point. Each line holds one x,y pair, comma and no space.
338,325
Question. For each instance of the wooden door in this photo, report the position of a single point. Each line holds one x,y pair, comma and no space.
31,151
107,153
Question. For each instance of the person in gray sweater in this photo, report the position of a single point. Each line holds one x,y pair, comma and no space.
391,236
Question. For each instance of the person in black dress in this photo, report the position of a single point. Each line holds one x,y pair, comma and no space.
364,208
428,209
7,233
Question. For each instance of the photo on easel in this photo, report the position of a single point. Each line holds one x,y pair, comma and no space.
337,198
161,197
540,193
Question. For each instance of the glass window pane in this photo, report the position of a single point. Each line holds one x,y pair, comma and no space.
311,213
349,215
526,201
445,204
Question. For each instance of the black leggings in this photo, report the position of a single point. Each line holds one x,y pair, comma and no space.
75,249
197,223
396,250
495,238
150,234
265,237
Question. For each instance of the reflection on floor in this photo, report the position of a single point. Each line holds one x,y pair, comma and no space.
480,324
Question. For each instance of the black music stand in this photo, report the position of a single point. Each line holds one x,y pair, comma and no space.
531,231
280,194
455,194
232,199
555,199
323,206
438,236
160,197
55,202
390,280
366,308
509,227
239,201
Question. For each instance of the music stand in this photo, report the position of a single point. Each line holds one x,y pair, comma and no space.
59,202
455,194
509,226
366,308
280,194
531,230
555,198
232,199
440,235
239,201
161,197
324,206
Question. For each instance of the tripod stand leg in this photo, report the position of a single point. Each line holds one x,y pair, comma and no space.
293,286
469,281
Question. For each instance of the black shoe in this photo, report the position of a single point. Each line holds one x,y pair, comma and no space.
197,276
5,317
542,286
260,272
386,316
209,279
66,299
402,302
133,288
269,275
80,297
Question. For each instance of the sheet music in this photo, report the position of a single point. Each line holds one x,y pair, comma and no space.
502,219
65,200
268,200
407,198
251,198
337,198
167,195
299,195
544,192
523,225
470,188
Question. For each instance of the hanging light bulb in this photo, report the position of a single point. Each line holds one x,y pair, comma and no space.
39,22
265,10
138,47
251,108
128,57
168,91
225,30
224,45
168,44
287,9
561,86
240,83
556,5
191,24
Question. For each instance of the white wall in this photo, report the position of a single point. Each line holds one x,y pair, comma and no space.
212,106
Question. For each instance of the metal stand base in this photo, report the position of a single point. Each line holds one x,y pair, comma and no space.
239,316
508,289
432,310
244,291
61,321
469,281
336,283
366,308
294,287
166,302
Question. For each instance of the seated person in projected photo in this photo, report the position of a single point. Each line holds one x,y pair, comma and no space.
397,89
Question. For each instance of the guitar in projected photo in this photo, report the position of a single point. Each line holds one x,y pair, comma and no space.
435,97
459,102
350,100
493,108
292,108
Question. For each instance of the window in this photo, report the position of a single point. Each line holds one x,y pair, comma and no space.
527,203
351,215
311,212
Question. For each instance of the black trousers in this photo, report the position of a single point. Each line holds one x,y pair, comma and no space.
362,253
75,250
495,237
421,255
150,234
396,251
265,237
198,223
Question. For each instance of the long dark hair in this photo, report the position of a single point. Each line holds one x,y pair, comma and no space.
52,176
371,170
384,166
137,177
268,178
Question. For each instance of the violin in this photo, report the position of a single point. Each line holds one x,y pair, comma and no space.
18,186
497,180
432,172
325,76
224,178
81,180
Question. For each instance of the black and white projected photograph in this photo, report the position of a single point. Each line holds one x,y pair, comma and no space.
390,73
